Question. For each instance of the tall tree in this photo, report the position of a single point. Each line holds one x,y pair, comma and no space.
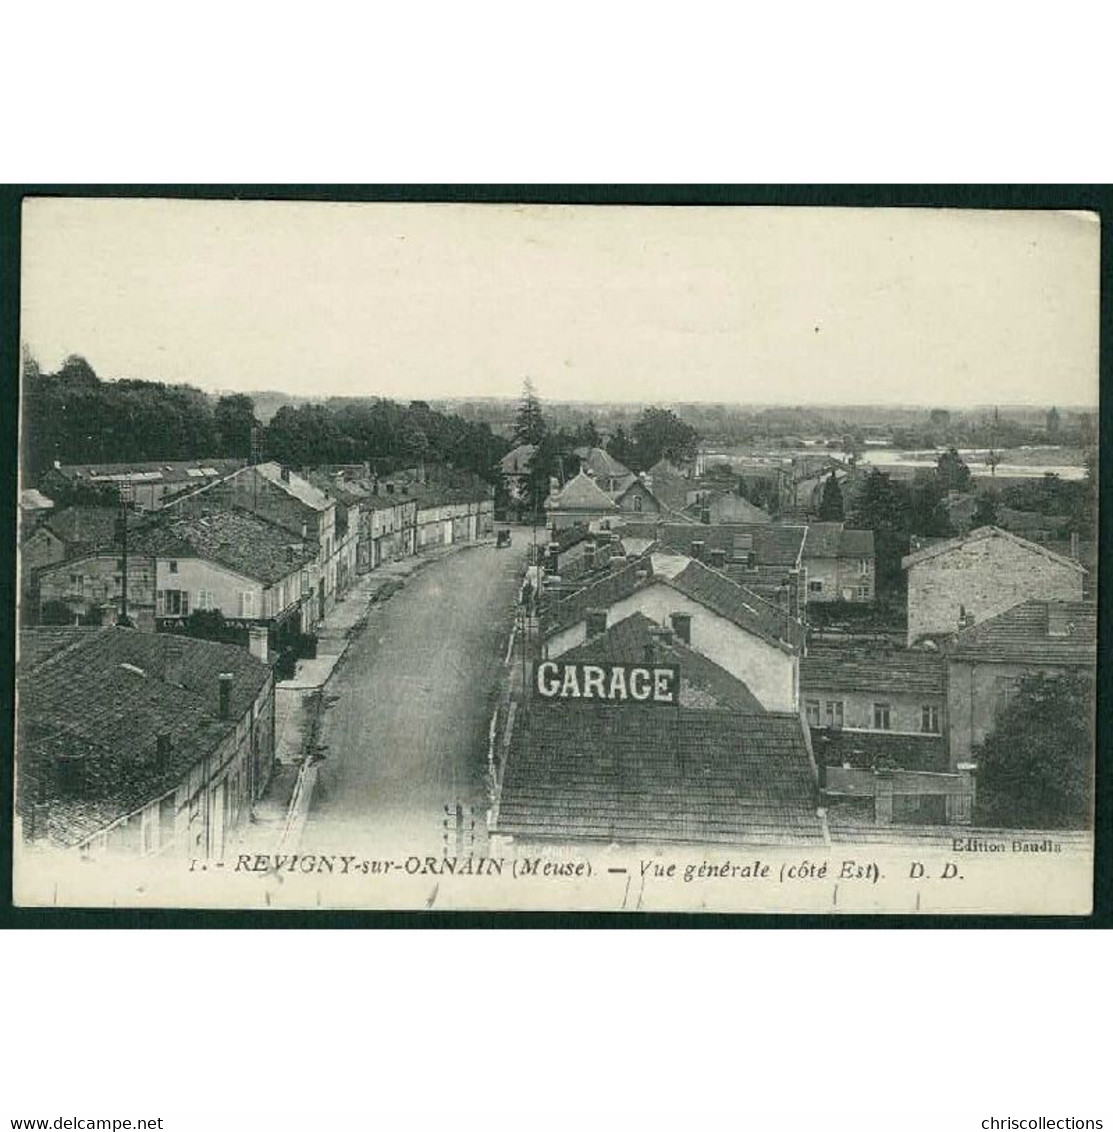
529,424
831,505
952,472
660,433
1035,771
235,419
1053,421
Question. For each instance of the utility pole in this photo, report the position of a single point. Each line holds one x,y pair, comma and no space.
126,495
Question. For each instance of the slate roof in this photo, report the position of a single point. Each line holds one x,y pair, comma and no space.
1020,636
581,493
865,667
945,545
234,538
835,540
651,774
637,638
710,588
103,696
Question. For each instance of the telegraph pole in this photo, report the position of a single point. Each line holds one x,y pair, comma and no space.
126,495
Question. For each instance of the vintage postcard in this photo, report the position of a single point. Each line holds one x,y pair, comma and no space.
490,557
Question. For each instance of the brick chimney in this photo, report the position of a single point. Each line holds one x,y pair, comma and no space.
258,643
226,695
285,475
697,549
682,626
705,516
596,622
70,775
718,559
163,749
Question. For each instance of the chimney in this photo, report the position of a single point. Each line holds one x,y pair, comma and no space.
596,622
226,695
162,752
589,555
794,593
70,770
258,643
718,559
682,626
285,474
697,549
174,659
1074,545
705,515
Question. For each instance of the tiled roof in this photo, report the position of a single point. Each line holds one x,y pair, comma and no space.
234,538
643,774
105,697
707,587
736,603
834,540
581,492
636,639
868,749
1021,635
773,544
862,667
297,486
516,461
942,547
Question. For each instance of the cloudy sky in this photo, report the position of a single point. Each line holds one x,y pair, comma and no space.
620,304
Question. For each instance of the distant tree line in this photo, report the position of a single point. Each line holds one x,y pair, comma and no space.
74,417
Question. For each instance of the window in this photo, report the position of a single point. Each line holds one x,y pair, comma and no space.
881,717
816,587
929,719
811,707
863,567
637,502
862,593
175,603
173,567
78,581
834,713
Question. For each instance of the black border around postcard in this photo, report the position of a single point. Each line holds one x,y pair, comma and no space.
1094,198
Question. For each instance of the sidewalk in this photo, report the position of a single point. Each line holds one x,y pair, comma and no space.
281,812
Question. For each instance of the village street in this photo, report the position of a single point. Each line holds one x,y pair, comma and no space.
403,733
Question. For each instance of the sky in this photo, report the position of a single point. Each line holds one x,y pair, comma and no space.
750,305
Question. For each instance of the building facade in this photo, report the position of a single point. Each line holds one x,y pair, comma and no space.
966,580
